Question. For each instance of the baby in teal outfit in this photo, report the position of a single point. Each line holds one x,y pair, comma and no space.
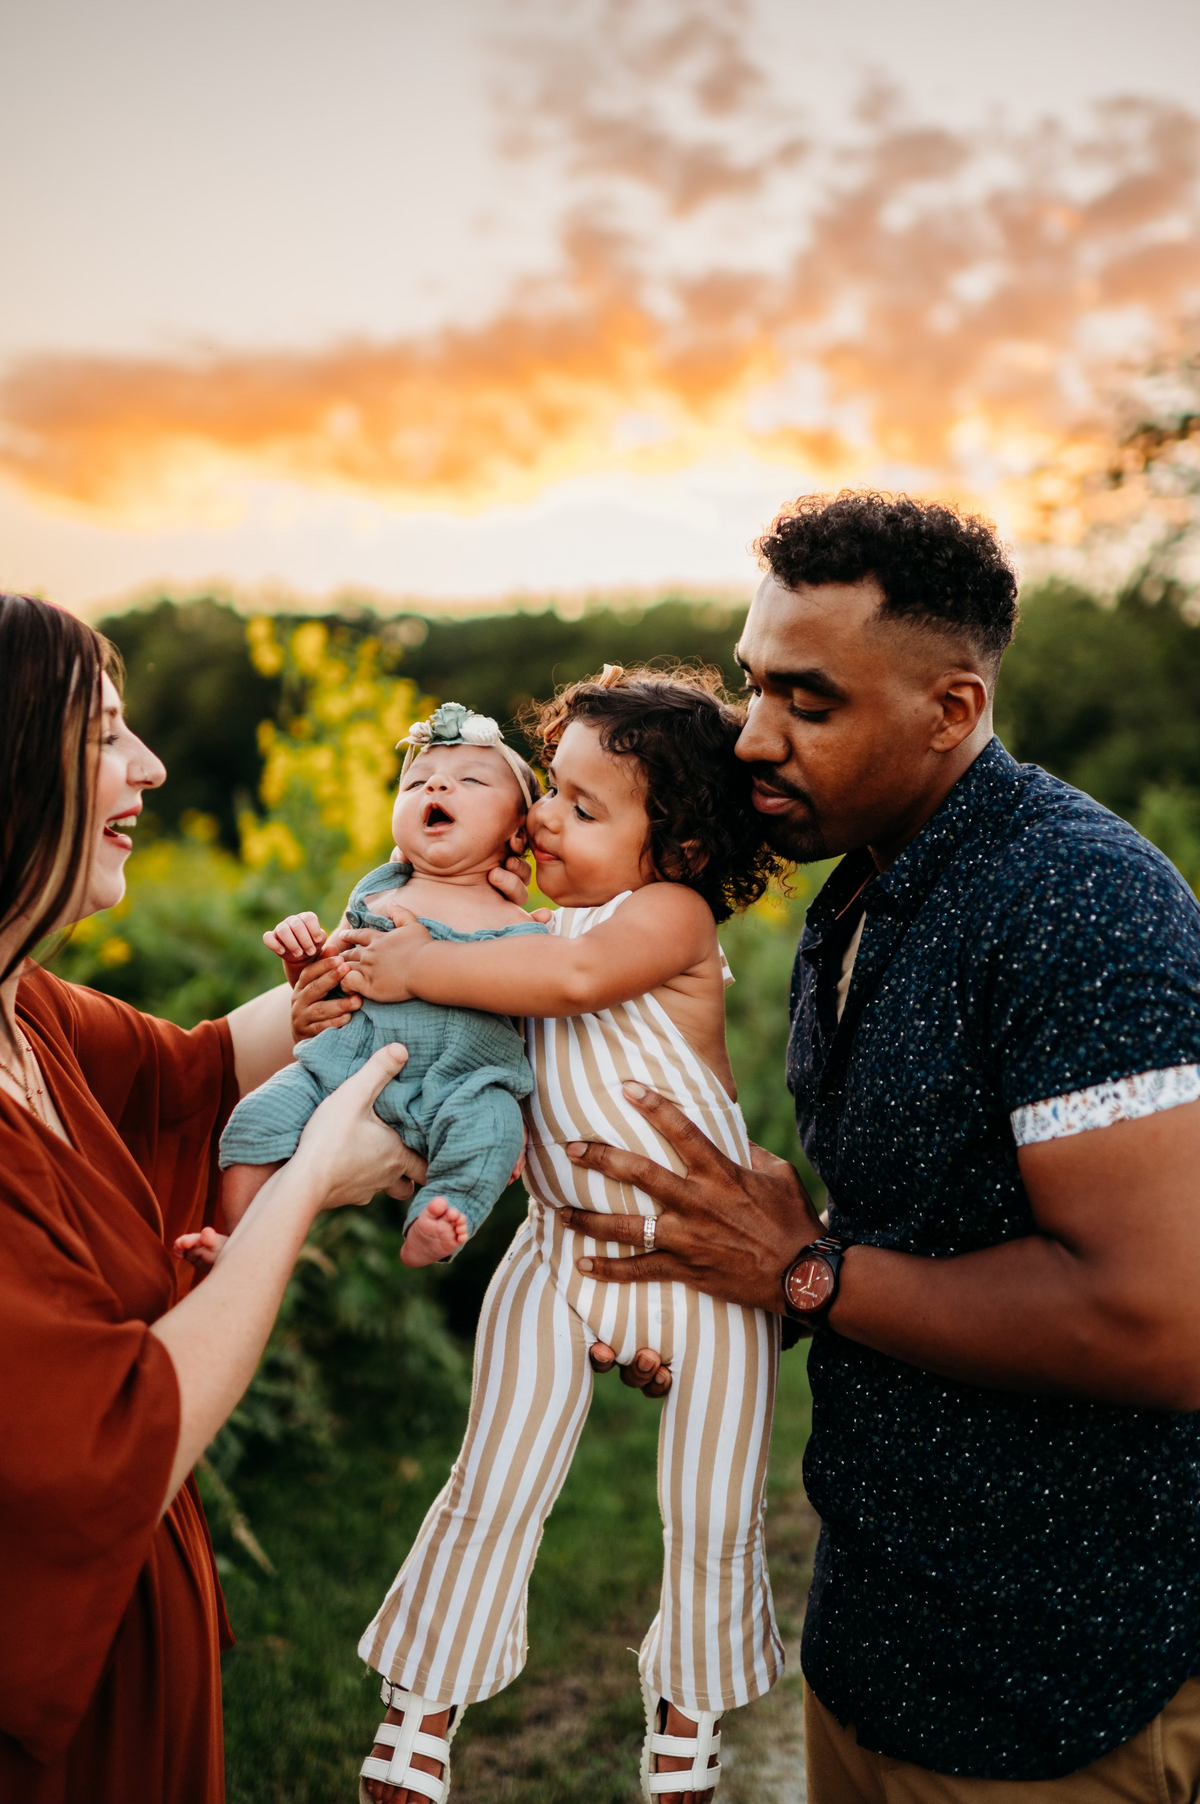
459,812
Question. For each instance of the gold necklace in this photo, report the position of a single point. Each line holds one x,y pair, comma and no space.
33,1091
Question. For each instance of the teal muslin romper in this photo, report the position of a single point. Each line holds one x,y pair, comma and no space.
457,1102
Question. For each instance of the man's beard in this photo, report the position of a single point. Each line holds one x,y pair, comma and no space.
800,842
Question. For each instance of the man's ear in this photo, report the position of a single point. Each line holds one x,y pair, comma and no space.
963,699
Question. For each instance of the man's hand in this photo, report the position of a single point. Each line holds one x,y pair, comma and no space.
378,965
722,1228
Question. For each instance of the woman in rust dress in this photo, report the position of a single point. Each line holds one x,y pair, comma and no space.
114,1374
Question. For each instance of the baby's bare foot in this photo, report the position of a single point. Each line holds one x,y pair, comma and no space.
201,1250
436,1723
438,1232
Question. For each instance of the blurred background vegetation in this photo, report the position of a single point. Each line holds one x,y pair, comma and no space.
278,736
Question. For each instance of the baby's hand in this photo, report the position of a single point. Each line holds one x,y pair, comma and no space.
201,1250
297,941
438,1231
378,965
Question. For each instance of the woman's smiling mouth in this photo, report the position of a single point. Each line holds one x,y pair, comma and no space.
120,827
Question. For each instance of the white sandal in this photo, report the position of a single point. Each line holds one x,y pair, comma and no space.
698,1748
406,1739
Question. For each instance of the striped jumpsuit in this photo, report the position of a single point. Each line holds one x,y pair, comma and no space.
452,1627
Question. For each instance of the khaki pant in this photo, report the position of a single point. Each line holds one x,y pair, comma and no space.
1161,1765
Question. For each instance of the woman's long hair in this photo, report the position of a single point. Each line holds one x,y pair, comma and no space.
51,667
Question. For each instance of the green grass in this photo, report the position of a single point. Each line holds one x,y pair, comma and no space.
300,1706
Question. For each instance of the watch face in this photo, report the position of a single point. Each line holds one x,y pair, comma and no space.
810,1283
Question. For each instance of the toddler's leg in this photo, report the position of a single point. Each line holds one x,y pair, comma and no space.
240,1184
452,1627
714,1644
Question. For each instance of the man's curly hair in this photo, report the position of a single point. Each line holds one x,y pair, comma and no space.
935,566
678,724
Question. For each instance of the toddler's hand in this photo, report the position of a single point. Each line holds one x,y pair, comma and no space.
438,1231
297,941
201,1250
313,1009
379,965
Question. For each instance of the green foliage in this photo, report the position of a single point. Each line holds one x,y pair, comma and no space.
500,662
197,691
197,699
1106,697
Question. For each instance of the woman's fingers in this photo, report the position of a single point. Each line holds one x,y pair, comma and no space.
379,1070
355,1153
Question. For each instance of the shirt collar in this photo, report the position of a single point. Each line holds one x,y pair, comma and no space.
982,799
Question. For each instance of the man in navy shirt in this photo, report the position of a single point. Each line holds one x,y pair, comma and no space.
995,1059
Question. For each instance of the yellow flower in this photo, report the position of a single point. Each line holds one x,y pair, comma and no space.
115,951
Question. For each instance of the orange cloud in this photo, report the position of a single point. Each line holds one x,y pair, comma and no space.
950,303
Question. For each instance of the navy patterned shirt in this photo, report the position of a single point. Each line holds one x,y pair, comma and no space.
1006,1586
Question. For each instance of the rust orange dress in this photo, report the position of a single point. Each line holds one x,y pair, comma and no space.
111,1622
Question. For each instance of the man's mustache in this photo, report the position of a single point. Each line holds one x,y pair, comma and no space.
769,778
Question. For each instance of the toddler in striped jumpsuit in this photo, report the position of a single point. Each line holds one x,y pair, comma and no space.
645,839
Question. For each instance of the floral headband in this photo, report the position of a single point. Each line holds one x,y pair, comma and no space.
454,724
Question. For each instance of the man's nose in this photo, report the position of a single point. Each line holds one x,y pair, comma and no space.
762,739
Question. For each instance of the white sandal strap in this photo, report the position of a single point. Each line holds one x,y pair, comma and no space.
698,1748
681,1747
433,1746
406,1739
425,1783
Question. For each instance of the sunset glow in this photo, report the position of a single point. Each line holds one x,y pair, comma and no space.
953,309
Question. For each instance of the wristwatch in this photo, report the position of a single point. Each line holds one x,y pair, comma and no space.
810,1283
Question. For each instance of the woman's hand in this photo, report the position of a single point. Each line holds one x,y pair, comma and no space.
216,1335
722,1228
381,966
347,1151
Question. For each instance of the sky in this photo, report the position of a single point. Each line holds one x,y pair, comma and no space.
505,298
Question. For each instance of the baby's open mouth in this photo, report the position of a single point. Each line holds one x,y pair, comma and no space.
436,816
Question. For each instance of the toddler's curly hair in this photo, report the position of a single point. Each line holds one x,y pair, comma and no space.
681,727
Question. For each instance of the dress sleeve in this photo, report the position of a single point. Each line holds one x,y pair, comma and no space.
168,1092
89,1420
1095,1014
